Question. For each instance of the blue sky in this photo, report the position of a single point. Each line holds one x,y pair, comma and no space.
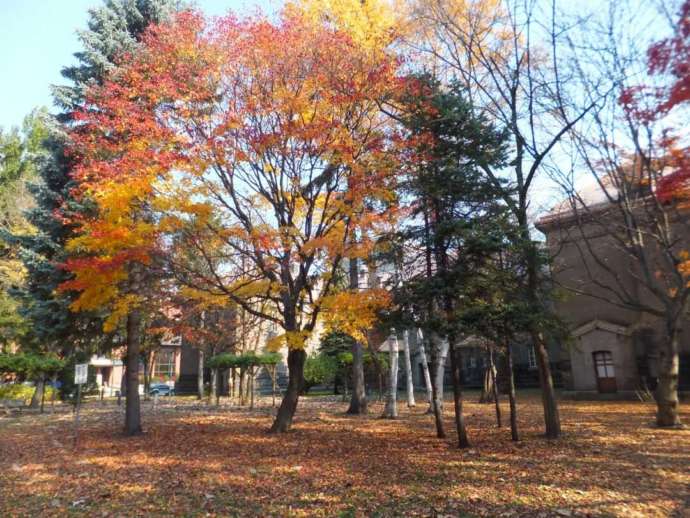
38,38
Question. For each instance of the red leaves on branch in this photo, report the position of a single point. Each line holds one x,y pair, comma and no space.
668,58
672,56
269,134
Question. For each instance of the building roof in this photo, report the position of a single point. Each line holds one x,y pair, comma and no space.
601,325
594,196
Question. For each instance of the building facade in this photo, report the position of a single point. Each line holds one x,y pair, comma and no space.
613,349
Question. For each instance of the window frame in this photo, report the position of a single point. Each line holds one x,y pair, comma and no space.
606,365
169,373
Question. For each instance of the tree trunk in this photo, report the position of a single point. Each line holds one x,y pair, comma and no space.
552,419
43,395
214,386
235,385
408,369
486,395
455,364
514,434
200,375
123,383
247,385
132,404
288,406
439,348
667,386
148,371
425,369
52,393
358,401
494,385
241,387
37,396
391,409
251,380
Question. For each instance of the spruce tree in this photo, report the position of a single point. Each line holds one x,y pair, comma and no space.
112,29
458,220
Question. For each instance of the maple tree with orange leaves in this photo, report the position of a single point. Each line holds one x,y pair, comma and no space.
258,145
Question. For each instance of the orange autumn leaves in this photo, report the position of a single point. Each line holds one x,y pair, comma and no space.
234,131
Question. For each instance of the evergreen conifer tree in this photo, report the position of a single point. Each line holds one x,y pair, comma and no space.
112,29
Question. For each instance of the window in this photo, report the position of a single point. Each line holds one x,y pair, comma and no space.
165,364
603,363
531,357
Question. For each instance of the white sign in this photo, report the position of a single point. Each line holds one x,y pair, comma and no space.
80,371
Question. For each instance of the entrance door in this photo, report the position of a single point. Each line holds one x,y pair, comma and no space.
604,371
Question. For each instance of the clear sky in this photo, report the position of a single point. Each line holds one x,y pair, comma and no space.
38,38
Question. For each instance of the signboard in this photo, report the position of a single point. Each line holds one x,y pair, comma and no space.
80,372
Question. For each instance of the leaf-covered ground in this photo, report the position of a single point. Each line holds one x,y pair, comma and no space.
203,461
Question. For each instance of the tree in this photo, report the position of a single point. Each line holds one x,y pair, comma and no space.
506,55
113,29
18,157
358,401
459,216
408,370
390,410
283,158
319,369
497,310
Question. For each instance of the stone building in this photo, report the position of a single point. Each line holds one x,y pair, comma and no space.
613,348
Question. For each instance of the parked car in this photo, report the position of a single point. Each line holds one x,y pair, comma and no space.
161,389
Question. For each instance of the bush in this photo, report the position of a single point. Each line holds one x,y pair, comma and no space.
29,364
319,369
243,361
23,392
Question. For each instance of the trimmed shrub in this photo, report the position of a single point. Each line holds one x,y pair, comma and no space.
23,392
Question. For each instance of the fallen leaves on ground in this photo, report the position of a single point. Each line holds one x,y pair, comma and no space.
196,460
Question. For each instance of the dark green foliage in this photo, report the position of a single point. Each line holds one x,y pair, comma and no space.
369,359
68,390
113,29
335,342
319,369
30,366
460,223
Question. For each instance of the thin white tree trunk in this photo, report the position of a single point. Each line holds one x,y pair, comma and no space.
439,372
391,408
425,368
408,369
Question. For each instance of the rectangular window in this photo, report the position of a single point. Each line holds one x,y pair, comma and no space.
603,362
165,364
